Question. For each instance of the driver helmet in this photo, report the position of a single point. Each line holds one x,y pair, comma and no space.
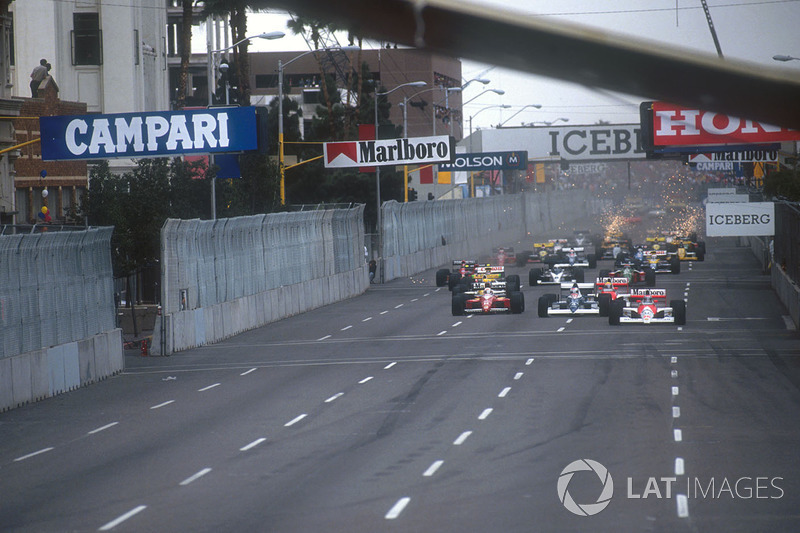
608,286
575,291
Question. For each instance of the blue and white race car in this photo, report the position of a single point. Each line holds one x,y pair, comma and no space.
573,299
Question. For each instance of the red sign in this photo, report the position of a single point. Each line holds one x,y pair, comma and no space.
679,126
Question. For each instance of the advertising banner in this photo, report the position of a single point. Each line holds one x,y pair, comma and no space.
679,126
136,135
487,161
385,152
753,219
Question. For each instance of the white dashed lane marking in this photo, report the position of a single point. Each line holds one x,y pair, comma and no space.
397,508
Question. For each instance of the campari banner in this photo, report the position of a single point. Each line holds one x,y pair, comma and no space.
673,125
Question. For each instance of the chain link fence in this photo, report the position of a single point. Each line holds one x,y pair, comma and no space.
55,288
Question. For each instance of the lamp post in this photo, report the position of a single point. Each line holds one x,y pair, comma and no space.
545,122
281,66
537,106
211,72
471,178
378,168
784,58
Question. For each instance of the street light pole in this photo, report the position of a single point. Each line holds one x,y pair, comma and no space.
378,170
471,178
537,106
212,80
281,66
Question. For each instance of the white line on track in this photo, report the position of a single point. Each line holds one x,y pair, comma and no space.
323,338
426,294
367,319
518,375
676,412
433,468
559,330
456,324
209,387
461,438
673,360
117,521
680,328
398,306
688,283
683,504
504,392
195,477
675,391
159,406
679,466
384,312
102,428
485,414
345,328
334,397
390,365
252,444
34,454
247,372
397,508
529,362
441,333
364,380
295,420
677,434
674,374
415,299
569,320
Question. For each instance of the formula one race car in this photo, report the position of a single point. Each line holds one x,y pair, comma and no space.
541,251
646,306
493,277
609,289
573,299
504,255
634,274
613,243
653,257
461,269
488,301
688,248
555,275
575,257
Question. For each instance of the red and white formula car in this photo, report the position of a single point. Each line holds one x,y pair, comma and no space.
646,306
488,301
609,289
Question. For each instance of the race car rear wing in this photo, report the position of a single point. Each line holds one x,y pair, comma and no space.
616,282
636,294
582,286
488,269
543,245
457,262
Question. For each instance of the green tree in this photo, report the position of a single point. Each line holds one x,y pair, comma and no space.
783,184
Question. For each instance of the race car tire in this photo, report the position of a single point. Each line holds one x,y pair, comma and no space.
534,276
693,236
701,247
675,265
459,303
544,305
604,273
522,258
701,254
459,289
441,277
453,280
513,283
579,275
678,311
650,278
604,304
517,302
592,260
615,312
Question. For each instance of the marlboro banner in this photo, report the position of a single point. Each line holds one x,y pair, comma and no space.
413,151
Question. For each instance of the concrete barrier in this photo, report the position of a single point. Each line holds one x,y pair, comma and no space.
789,294
33,376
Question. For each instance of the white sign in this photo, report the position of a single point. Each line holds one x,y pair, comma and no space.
388,152
716,166
740,219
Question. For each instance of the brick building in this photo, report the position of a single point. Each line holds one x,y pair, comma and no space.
65,181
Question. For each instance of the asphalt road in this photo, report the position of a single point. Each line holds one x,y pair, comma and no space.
386,413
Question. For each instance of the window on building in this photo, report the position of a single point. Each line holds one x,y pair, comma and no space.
266,81
87,39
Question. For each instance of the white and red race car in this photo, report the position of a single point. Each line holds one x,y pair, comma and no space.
609,289
646,306
488,301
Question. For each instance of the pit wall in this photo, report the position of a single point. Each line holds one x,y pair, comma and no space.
788,292
57,329
418,236
223,277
